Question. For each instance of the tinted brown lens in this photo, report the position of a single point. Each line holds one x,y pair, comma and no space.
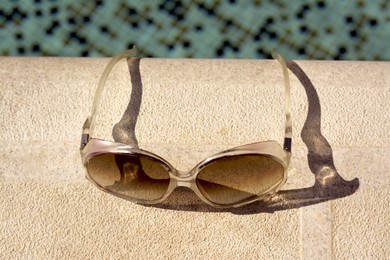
234,179
134,176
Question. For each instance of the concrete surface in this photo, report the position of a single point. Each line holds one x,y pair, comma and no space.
335,204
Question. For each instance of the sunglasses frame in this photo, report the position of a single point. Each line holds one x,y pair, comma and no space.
96,147
91,147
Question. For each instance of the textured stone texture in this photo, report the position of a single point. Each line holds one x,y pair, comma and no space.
189,109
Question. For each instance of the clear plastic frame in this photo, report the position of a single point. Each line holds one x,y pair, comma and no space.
231,178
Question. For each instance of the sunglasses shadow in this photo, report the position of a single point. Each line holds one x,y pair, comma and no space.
329,185
124,130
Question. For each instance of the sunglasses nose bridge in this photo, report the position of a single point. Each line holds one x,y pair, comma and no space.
184,179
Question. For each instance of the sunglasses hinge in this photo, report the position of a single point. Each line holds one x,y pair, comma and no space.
84,140
287,144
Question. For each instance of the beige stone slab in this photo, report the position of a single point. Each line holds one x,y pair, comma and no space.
194,101
75,220
190,109
361,225
46,165
371,165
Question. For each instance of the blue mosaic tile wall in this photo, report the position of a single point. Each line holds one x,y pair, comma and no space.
343,29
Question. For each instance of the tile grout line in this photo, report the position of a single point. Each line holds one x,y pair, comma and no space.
316,228
301,231
332,255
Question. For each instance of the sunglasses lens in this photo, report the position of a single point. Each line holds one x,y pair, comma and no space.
234,179
128,175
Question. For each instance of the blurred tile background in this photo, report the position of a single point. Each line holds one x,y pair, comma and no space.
351,30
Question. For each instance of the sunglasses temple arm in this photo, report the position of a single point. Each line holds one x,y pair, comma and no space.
287,102
89,124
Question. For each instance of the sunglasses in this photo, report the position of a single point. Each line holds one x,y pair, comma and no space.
231,178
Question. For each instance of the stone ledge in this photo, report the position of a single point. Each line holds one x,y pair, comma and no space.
188,110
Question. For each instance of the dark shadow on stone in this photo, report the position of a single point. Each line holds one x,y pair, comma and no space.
124,130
